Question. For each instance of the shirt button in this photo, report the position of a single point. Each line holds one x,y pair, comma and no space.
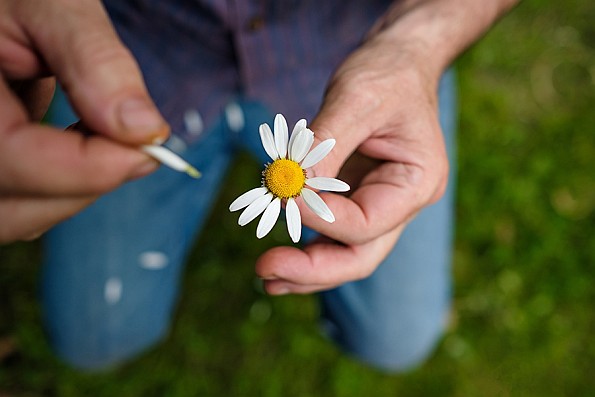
255,23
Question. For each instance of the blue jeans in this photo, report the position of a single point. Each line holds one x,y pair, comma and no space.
111,274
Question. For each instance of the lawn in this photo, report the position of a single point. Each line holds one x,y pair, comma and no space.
523,322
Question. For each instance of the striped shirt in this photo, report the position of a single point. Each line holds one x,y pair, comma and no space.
200,55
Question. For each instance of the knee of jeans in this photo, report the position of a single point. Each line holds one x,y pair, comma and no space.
395,346
99,349
105,324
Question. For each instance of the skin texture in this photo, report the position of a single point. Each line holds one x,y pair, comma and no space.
380,106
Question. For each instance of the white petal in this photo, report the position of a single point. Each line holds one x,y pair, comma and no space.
247,198
329,184
281,135
268,142
300,125
316,204
294,220
255,209
166,156
318,153
269,218
301,145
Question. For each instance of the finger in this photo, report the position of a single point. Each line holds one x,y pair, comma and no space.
389,195
61,163
27,218
346,123
98,73
17,59
321,265
408,172
36,159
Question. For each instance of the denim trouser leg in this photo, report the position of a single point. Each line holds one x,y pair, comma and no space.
394,318
111,274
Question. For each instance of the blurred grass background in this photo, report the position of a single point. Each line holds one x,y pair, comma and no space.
523,321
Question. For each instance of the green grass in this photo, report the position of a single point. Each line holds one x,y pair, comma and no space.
523,322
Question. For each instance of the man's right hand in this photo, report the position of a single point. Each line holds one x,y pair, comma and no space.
47,175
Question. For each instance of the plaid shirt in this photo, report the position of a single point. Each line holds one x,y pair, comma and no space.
200,55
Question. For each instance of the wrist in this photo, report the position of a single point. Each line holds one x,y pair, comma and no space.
433,33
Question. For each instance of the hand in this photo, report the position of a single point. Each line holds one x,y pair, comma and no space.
382,108
47,175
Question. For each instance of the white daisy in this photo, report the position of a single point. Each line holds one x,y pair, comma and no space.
286,179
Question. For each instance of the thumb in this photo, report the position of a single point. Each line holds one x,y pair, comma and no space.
101,78
348,116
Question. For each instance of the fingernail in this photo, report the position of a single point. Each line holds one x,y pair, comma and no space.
140,117
281,291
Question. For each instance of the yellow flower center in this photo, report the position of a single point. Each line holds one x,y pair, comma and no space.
284,178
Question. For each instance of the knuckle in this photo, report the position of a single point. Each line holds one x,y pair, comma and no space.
108,61
101,52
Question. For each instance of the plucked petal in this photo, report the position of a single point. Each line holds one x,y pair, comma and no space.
281,135
294,220
318,153
255,209
268,141
247,198
316,204
165,156
328,184
269,218
301,145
